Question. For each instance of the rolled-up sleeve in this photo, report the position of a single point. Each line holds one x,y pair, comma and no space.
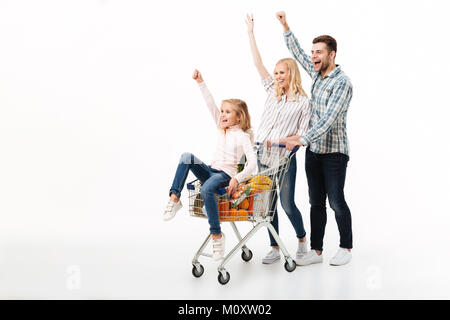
298,53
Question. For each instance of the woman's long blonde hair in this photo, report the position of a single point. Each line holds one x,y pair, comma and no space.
240,107
295,83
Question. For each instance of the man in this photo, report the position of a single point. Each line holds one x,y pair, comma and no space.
327,151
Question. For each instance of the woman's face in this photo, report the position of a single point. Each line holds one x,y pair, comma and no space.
228,117
282,76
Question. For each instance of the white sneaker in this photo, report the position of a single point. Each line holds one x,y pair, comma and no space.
218,247
302,249
342,257
271,257
309,258
171,210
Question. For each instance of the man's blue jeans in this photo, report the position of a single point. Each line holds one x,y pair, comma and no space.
326,177
287,198
211,179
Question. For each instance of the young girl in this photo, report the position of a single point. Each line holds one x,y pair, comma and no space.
286,116
235,139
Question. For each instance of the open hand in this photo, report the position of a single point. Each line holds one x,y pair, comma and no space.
197,76
249,22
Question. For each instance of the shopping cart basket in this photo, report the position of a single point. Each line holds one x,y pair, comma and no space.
255,202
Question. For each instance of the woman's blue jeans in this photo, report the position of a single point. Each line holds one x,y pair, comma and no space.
287,195
211,179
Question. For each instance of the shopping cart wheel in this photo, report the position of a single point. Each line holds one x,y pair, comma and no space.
247,257
196,272
290,266
222,279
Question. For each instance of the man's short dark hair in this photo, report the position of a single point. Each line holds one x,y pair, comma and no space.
328,40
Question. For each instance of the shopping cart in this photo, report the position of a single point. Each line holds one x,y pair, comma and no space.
255,202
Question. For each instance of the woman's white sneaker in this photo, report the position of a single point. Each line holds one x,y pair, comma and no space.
171,210
302,249
271,257
343,256
218,247
309,258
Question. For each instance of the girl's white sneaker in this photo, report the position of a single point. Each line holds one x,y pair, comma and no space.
171,210
343,256
218,248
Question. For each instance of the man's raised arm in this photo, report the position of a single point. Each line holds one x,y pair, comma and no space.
294,46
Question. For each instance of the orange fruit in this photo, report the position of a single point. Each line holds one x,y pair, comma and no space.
244,204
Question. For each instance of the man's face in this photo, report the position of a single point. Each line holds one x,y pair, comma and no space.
321,57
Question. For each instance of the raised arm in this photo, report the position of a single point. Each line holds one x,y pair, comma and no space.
197,76
255,52
294,46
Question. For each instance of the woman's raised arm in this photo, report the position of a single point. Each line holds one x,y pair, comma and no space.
255,52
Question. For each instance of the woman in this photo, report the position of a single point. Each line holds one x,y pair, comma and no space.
286,114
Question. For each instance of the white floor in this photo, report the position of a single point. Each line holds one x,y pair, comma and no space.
145,258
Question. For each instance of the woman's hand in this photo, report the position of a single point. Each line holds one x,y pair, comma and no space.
197,76
250,23
232,186
268,143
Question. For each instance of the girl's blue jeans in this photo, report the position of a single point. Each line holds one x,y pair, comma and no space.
211,179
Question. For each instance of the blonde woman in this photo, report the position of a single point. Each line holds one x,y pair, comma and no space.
286,114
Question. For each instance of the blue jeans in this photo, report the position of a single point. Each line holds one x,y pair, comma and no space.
326,177
211,180
287,194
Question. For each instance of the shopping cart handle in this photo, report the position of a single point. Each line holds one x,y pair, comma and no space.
280,146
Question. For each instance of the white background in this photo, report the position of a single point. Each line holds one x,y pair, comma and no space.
97,104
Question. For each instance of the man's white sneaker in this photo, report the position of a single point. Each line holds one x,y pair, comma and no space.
218,247
309,258
171,210
302,249
271,257
342,257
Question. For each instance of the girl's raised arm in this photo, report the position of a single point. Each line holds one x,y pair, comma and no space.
255,52
197,76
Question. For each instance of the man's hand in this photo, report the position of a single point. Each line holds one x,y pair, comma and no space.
281,16
232,186
291,143
250,23
197,76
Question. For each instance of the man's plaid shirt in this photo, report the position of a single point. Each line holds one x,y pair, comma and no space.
330,99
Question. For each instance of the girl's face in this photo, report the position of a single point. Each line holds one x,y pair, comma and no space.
228,117
281,75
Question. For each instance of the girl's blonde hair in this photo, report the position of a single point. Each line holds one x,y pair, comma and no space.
240,107
295,83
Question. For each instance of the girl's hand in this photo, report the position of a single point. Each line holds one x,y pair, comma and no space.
197,76
268,143
232,186
249,22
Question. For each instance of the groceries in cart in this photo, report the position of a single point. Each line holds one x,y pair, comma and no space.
245,203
